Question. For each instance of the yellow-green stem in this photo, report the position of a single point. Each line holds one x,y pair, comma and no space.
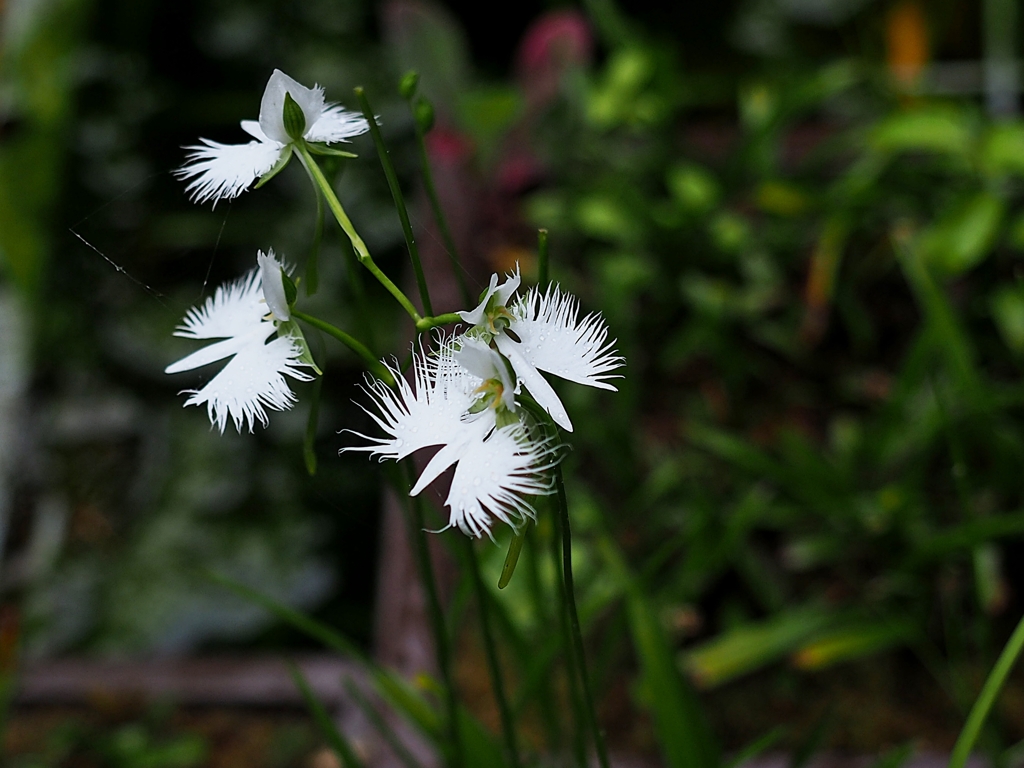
362,253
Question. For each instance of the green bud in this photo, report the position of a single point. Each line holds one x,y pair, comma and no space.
407,85
294,120
290,291
424,112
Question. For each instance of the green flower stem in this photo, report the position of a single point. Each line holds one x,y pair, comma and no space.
372,363
542,258
579,741
508,727
441,642
574,618
362,253
426,323
439,217
993,684
396,193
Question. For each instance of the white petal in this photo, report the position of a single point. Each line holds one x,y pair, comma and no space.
224,171
211,353
476,316
252,381
542,392
555,340
252,127
506,289
494,477
428,412
234,310
271,273
336,124
310,101
503,292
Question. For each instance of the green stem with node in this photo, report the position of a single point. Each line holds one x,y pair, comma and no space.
508,727
399,198
362,253
426,323
377,368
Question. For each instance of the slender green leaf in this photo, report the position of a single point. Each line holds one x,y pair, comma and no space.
334,737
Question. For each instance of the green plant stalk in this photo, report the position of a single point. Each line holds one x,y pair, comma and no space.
362,252
983,704
571,663
542,259
574,618
372,363
426,323
508,727
439,217
441,642
399,198
548,703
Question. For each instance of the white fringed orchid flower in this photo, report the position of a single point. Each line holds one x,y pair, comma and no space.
543,332
223,171
244,314
466,411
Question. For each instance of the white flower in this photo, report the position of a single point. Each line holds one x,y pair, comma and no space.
497,466
543,332
253,378
223,171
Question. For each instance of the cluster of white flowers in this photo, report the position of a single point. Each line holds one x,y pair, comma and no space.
464,399
468,397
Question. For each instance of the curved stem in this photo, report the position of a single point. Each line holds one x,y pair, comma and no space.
396,194
426,323
508,727
372,363
362,252
574,617
993,684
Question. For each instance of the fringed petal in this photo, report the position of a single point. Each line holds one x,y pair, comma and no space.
223,171
337,124
554,339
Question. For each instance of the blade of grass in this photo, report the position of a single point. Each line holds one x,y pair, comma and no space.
386,731
334,737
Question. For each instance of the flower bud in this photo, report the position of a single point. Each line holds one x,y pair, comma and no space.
407,85
294,120
424,112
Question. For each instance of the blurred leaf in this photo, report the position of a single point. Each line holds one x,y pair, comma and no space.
605,218
1007,306
693,187
781,198
746,648
851,643
486,113
930,129
757,748
683,734
1002,150
963,237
